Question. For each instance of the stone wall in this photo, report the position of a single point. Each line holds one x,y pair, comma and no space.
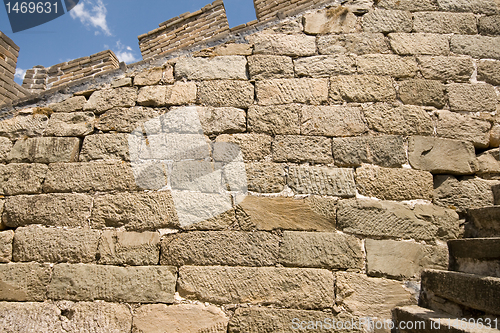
9,90
309,173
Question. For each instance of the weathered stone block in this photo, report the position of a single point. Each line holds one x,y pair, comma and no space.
331,20
360,43
180,93
30,316
129,248
463,127
102,100
123,82
285,91
322,181
487,7
6,238
362,88
325,65
486,222
402,120
445,23
472,97
388,151
125,119
476,46
387,21
226,248
228,67
253,146
35,243
69,105
276,119
410,5
443,68
5,148
300,148
283,44
203,176
238,94
265,177
45,150
495,136
70,124
222,120
442,155
387,64
489,71
270,67
489,25
422,92
149,77
489,163
26,124
230,48
288,287
419,43
22,282
84,282
105,147
22,178
332,121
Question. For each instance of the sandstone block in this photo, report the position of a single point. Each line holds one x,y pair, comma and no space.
70,124
6,238
95,316
222,120
288,287
358,43
285,91
5,148
227,67
321,249
276,119
125,119
419,43
22,178
422,92
362,88
485,222
85,282
265,177
238,94
69,105
489,25
332,121
495,136
332,20
487,7
387,21
476,46
445,23
105,147
30,317
270,67
300,148
489,163
388,151
23,282
472,97
322,181
283,44
203,176
410,5
230,48
253,146
149,77
45,150
443,68
226,248
26,124
325,65
489,71
123,82
180,93
463,127
442,155
102,100
387,64
35,243
129,248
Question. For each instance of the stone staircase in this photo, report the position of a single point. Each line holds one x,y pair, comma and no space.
467,297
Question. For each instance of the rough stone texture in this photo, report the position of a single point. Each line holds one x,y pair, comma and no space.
445,23
321,249
419,43
125,119
69,105
238,94
489,25
45,150
325,65
410,5
270,67
6,238
496,194
149,77
35,243
387,64
160,318
282,44
322,181
276,119
180,93
403,260
462,194
495,136
360,43
476,46
222,120
265,177
472,97
91,176
129,248
332,20
227,67
265,213
22,178
105,147
390,219
372,297
23,282
26,124
387,21
332,121
5,148
227,248
463,127
300,148
70,124
394,184
60,210
422,92
253,146
102,100
489,162
487,7
285,91
229,48
489,71
362,88
134,211
443,68
402,120
288,287
442,155
84,282
387,151
486,221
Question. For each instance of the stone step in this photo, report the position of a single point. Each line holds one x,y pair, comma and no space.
485,222
475,256
475,292
413,319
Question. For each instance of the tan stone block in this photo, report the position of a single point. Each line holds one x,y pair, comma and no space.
480,47
70,124
96,316
387,21
30,316
222,120
105,147
387,64
358,43
225,50
283,44
488,7
285,91
6,238
265,177
22,178
410,5
422,92
419,44
238,94
125,119
489,25
129,248
214,68
330,20
489,163
179,93
45,150
463,127
69,105
149,77
489,71
445,23
254,147
276,119
472,97
362,88
5,148
102,100
23,282
443,68
495,136
325,65
332,121
270,67
300,148
322,181
24,125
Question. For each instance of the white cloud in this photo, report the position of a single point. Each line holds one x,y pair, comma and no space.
125,53
95,16
20,73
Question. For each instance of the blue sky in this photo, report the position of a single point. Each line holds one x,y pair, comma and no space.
97,25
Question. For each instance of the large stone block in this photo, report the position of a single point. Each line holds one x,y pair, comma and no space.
238,94
325,65
387,151
485,221
253,146
489,25
322,181
84,282
6,238
422,92
285,91
25,124
125,119
332,121
463,127
321,249
419,43
445,23
330,20
59,210
401,120
472,97
287,287
70,124
45,150
283,44
30,317
387,64
489,163
386,21
227,248
362,88
71,104
275,119
270,67
129,248
443,68
180,93
265,177
36,243
394,183
301,148
22,282
359,43
442,155
105,147
5,148
487,7
410,5
489,71
102,100
476,46
22,178
195,68
154,76
222,120
390,219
